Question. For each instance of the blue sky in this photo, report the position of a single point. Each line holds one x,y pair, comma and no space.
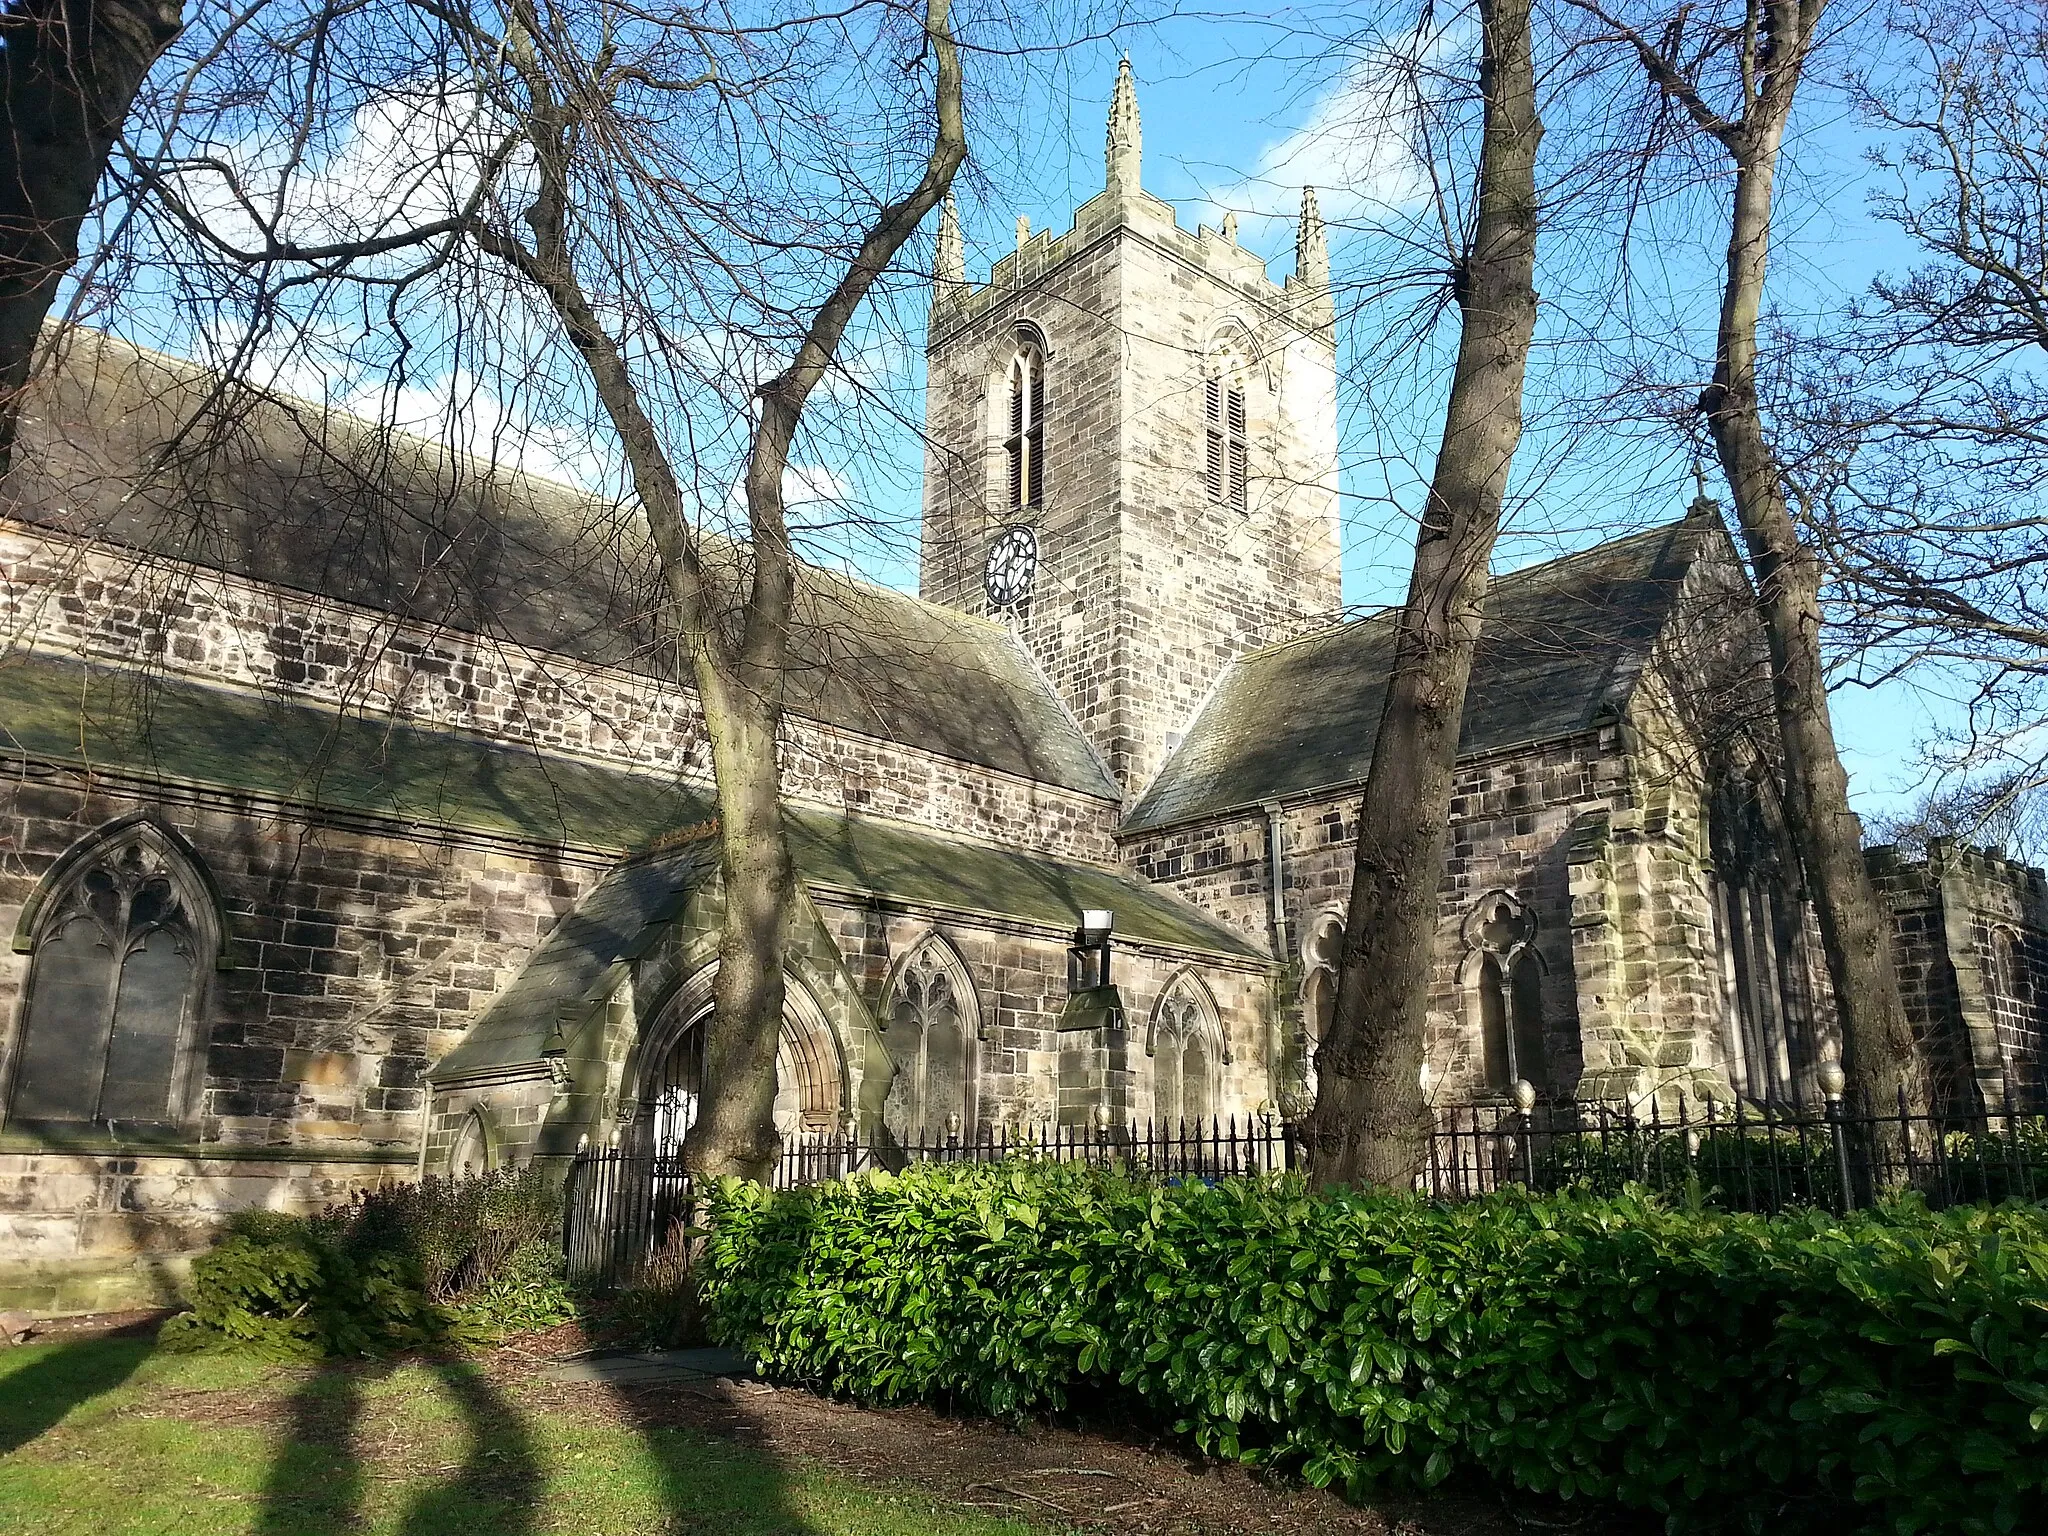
1212,121
1237,112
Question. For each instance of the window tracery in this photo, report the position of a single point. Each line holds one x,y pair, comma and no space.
932,1039
123,939
1188,1049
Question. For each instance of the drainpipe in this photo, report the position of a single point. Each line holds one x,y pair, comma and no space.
1283,959
1276,878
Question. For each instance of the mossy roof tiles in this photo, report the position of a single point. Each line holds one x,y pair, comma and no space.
1563,644
56,709
152,453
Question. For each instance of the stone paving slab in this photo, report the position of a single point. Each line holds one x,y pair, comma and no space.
648,1366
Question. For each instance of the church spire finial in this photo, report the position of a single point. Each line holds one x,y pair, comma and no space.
1311,245
949,261
1124,140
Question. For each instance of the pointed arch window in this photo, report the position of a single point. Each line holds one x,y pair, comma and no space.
1188,1052
933,1044
123,937
472,1155
1024,444
1226,459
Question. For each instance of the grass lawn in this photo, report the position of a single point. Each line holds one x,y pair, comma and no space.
107,1437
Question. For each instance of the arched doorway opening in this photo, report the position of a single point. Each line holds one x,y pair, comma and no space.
810,1071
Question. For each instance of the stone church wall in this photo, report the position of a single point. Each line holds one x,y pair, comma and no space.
1970,930
1020,976
1599,838
356,958
105,604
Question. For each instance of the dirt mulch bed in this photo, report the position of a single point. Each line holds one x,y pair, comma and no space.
1094,1478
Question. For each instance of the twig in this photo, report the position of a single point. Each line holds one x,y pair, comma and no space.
1017,1493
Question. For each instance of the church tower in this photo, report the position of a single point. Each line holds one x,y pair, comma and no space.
1133,451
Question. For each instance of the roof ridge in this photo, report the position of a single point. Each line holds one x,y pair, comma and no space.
1494,582
193,370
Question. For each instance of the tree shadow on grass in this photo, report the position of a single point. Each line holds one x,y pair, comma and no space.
721,1468
317,1483
500,1483
41,1391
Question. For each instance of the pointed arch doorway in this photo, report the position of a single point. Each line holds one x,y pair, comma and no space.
811,1088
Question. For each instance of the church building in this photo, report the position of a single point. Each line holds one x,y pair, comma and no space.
358,821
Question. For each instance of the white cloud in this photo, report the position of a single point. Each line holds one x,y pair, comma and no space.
1358,146
401,162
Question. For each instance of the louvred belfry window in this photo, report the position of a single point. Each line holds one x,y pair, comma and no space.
1226,463
1026,440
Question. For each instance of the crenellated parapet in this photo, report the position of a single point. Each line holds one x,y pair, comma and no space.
1123,207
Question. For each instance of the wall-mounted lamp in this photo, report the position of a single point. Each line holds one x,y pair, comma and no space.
1088,959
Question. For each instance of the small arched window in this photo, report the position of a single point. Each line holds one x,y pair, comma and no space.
1505,975
123,937
471,1157
932,1043
1025,442
1187,1050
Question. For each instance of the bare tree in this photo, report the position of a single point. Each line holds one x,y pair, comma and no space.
654,231
1369,1124
1920,417
1756,55
735,657
72,71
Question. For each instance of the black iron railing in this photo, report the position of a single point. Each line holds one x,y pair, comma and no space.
623,1207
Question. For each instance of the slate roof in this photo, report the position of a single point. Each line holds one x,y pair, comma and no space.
56,709
572,968
1563,644
125,446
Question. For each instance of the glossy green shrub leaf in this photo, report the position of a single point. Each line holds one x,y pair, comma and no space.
1884,1372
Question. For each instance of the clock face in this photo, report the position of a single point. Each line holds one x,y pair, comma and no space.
1012,565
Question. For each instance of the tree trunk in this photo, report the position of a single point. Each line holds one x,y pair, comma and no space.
1878,1051
1370,1124
739,676
72,68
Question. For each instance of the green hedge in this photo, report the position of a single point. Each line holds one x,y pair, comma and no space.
1718,1368
440,1261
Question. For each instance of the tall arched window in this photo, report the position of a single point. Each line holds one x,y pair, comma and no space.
1025,442
1188,1051
931,1037
1511,1020
123,935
